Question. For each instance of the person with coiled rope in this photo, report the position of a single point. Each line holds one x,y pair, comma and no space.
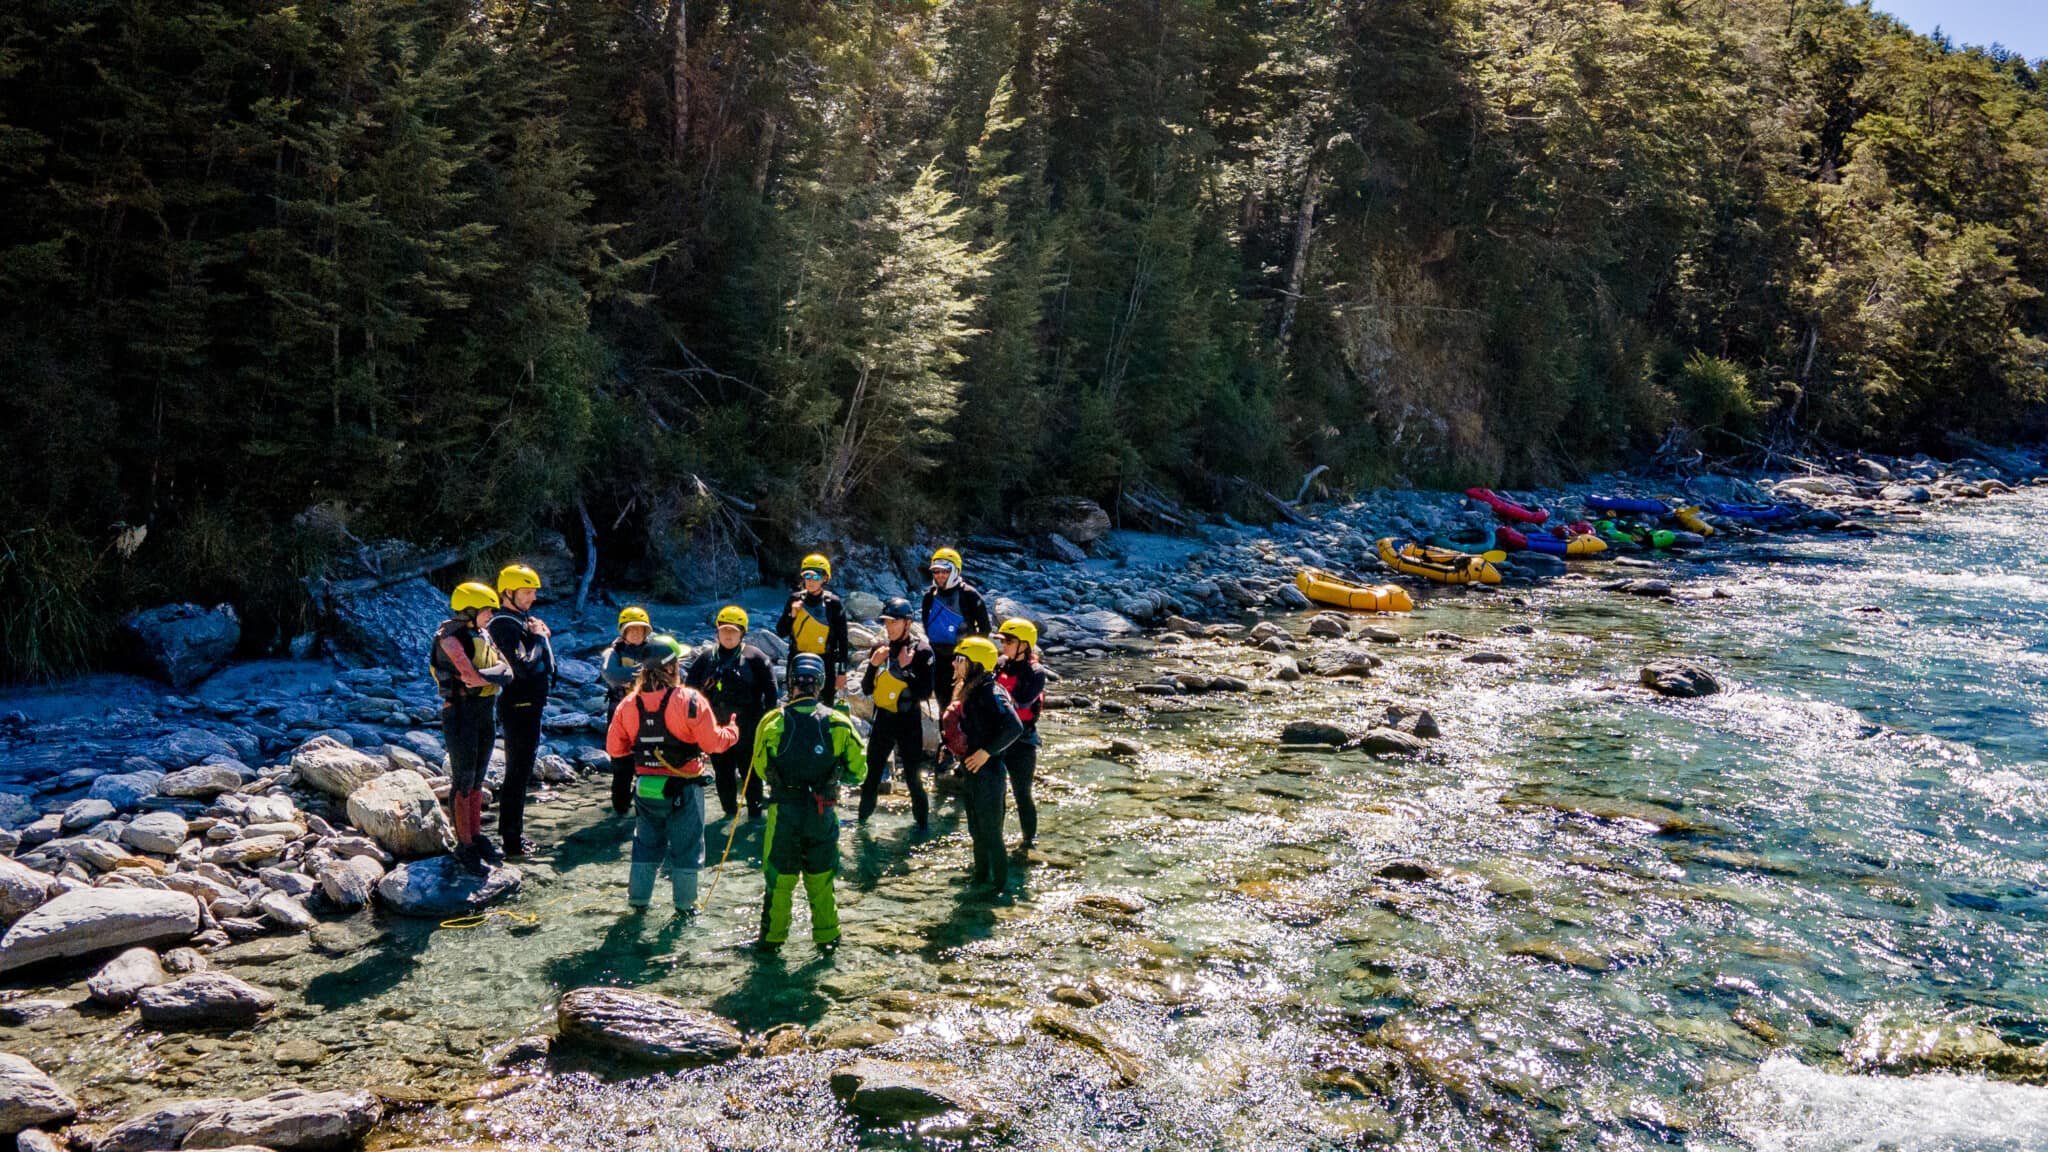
658,741
898,677
1021,676
806,750
739,681
468,674
814,623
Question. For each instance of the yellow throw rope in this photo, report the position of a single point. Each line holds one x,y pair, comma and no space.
705,901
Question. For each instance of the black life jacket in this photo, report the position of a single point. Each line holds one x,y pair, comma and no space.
656,750
804,759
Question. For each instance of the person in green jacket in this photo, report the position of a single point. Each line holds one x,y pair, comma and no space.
805,750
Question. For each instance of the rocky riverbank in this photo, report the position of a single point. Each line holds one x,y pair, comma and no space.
157,842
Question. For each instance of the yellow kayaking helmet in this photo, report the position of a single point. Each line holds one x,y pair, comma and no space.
513,577
948,556
819,563
1021,630
734,615
979,651
634,615
471,595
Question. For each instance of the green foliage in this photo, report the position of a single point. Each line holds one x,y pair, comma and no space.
491,265
49,626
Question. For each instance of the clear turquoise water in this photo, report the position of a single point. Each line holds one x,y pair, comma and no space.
1611,921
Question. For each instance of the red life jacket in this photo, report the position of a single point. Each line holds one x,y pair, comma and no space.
1009,682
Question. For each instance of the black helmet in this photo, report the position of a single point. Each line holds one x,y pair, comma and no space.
898,609
808,669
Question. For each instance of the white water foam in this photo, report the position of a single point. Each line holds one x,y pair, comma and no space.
1790,1107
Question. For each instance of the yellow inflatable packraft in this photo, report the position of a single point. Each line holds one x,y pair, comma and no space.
1439,564
1329,588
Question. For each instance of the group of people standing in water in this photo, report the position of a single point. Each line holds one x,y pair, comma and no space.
721,719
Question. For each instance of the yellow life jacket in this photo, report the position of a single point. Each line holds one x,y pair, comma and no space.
807,633
888,688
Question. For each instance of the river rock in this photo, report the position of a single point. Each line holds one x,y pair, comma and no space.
83,814
1062,1024
22,890
182,644
1906,493
351,882
120,979
1285,668
204,998
1414,721
29,1098
386,627
162,1127
250,850
1639,587
200,782
1816,486
1905,1047
158,832
125,790
1314,732
1329,625
326,764
1077,518
293,1120
644,1026
1390,742
88,920
438,888
1679,678
17,811
399,811
1054,546
285,911
896,1091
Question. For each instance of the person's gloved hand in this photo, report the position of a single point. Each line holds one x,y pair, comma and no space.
499,673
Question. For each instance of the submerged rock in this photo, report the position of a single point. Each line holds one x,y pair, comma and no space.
28,1097
1679,678
1314,732
90,920
1062,1024
895,1091
1903,1047
205,998
293,1120
1414,721
438,888
644,1026
1390,742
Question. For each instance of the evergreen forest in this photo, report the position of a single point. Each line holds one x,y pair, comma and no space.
734,273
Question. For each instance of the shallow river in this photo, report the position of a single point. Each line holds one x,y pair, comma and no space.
1585,918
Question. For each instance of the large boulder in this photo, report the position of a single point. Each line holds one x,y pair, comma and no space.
204,998
386,627
22,889
643,1026
350,883
293,1120
399,811
118,983
188,746
1077,518
125,790
1679,678
183,644
438,888
327,765
17,811
89,920
162,1127
29,1098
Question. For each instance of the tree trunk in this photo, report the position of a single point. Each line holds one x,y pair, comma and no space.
1304,235
765,156
679,77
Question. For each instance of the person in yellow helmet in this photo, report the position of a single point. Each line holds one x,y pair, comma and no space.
625,654
953,609
525,641
985,726
1020,675
468,673
814,621
739,681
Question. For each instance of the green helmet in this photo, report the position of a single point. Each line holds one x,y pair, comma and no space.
665,650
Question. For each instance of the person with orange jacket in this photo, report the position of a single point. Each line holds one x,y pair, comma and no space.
660,741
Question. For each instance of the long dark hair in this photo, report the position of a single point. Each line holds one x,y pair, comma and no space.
654,677
965,684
